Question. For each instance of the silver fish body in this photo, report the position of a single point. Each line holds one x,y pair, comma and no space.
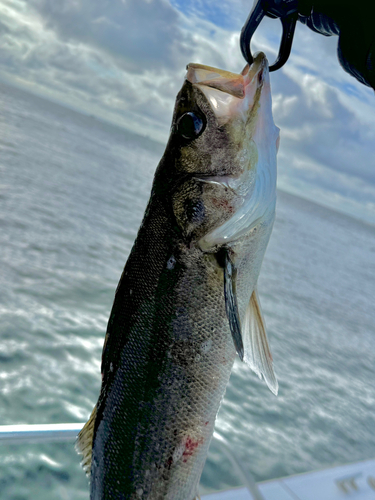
191,275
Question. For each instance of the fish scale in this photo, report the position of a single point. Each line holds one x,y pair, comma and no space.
160,374
170,344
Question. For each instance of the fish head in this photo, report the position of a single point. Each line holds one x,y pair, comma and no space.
222,148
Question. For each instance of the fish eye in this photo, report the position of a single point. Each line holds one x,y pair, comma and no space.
190,125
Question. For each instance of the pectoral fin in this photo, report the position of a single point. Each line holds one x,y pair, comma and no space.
231,306
257,350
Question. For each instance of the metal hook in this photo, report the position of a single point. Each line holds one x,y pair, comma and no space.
288,14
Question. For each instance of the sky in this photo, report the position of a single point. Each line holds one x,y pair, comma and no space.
124,61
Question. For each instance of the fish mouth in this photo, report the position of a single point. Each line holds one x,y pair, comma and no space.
230,94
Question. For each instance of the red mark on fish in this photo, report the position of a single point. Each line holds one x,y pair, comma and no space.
190,446
224,204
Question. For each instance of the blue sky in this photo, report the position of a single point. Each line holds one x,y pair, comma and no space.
124,61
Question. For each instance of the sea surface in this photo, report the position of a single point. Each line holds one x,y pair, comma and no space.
72,194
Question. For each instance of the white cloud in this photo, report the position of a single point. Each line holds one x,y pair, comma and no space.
138,33
125,61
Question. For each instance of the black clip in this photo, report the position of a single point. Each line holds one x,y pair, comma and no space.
287,11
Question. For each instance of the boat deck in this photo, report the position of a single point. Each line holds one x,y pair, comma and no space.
350,482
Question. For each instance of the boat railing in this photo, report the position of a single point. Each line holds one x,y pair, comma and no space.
21,434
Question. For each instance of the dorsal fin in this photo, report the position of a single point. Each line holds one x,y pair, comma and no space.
257,350
84,442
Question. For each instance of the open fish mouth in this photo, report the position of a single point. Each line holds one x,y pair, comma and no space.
230,94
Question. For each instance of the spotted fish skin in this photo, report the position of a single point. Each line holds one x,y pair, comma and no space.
161,388
169,349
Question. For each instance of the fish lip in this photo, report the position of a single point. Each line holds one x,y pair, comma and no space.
255,77
260,62
235,84
219,79
230,95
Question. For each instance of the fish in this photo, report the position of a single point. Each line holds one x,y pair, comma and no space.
187,301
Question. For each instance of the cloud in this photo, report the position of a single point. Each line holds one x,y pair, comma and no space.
124,60
316,124
132,31
76,53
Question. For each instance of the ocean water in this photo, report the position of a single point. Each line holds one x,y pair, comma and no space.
72,195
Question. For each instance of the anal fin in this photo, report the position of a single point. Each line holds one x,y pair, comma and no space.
84,442
257,350
231,306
